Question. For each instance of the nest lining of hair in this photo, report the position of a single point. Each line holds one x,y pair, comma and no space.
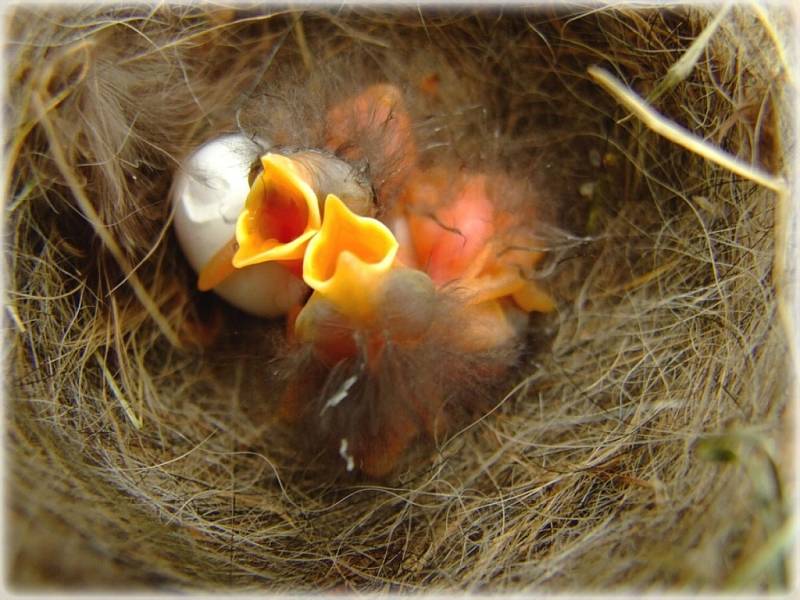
640,444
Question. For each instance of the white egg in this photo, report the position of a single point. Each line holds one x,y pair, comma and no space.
208,193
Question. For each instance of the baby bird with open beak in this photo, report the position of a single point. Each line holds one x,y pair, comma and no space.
243,218
282,212
412,320
408,320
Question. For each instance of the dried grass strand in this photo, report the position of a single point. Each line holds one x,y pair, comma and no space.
682,136
99,227
645,446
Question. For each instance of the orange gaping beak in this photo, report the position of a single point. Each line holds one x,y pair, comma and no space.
281,214
346,263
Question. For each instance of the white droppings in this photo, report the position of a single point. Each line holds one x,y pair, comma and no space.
348,458
341,394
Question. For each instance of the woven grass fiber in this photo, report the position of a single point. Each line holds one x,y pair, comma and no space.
642,443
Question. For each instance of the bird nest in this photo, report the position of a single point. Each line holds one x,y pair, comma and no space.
640,442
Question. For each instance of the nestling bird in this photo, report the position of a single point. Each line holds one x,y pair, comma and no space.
444,279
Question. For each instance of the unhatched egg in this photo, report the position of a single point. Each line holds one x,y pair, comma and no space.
208,192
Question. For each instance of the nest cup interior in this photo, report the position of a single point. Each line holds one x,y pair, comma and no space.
639,442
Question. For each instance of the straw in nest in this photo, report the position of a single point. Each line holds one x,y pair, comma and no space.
643,442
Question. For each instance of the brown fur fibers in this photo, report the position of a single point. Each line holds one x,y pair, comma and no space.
641,444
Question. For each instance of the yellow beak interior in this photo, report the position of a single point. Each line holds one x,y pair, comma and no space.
348,259
280,215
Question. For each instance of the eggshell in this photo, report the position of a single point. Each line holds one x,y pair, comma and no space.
208,193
